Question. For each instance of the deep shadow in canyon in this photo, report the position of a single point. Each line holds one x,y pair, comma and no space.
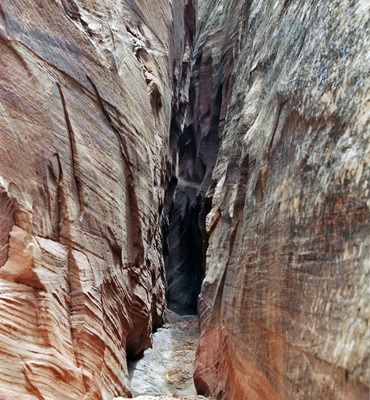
184,258
195,138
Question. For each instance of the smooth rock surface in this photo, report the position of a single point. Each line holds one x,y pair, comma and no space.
285,303
87,90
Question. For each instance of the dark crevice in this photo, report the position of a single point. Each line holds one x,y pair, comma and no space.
31,386
7,221
74,153
195,138
70,304
59,199
133,217
185,261
71,9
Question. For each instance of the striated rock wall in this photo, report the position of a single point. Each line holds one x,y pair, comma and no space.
256,122
87,90
285,303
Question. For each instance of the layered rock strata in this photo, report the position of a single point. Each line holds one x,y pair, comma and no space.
259,130
285,303
87,90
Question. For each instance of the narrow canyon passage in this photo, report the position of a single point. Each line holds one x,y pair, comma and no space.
207,157
166,370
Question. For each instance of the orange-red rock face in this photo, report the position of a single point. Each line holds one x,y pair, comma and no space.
86,93
285,303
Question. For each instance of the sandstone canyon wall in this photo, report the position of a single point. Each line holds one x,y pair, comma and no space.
285,303
240,146
87,91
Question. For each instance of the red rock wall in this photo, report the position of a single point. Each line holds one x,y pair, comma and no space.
86,96
285,303
269,133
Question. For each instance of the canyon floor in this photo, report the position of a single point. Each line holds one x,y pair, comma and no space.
166,370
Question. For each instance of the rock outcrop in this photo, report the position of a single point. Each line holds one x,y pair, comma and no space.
285,303
87,92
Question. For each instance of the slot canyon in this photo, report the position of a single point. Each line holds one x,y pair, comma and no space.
184,199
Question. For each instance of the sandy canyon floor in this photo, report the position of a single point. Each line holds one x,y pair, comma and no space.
166,370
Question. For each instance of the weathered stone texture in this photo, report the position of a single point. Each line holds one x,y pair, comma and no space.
86,96
285,304
259,130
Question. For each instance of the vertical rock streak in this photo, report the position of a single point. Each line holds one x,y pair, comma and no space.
74,153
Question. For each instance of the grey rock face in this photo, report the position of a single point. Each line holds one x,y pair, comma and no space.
285,303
